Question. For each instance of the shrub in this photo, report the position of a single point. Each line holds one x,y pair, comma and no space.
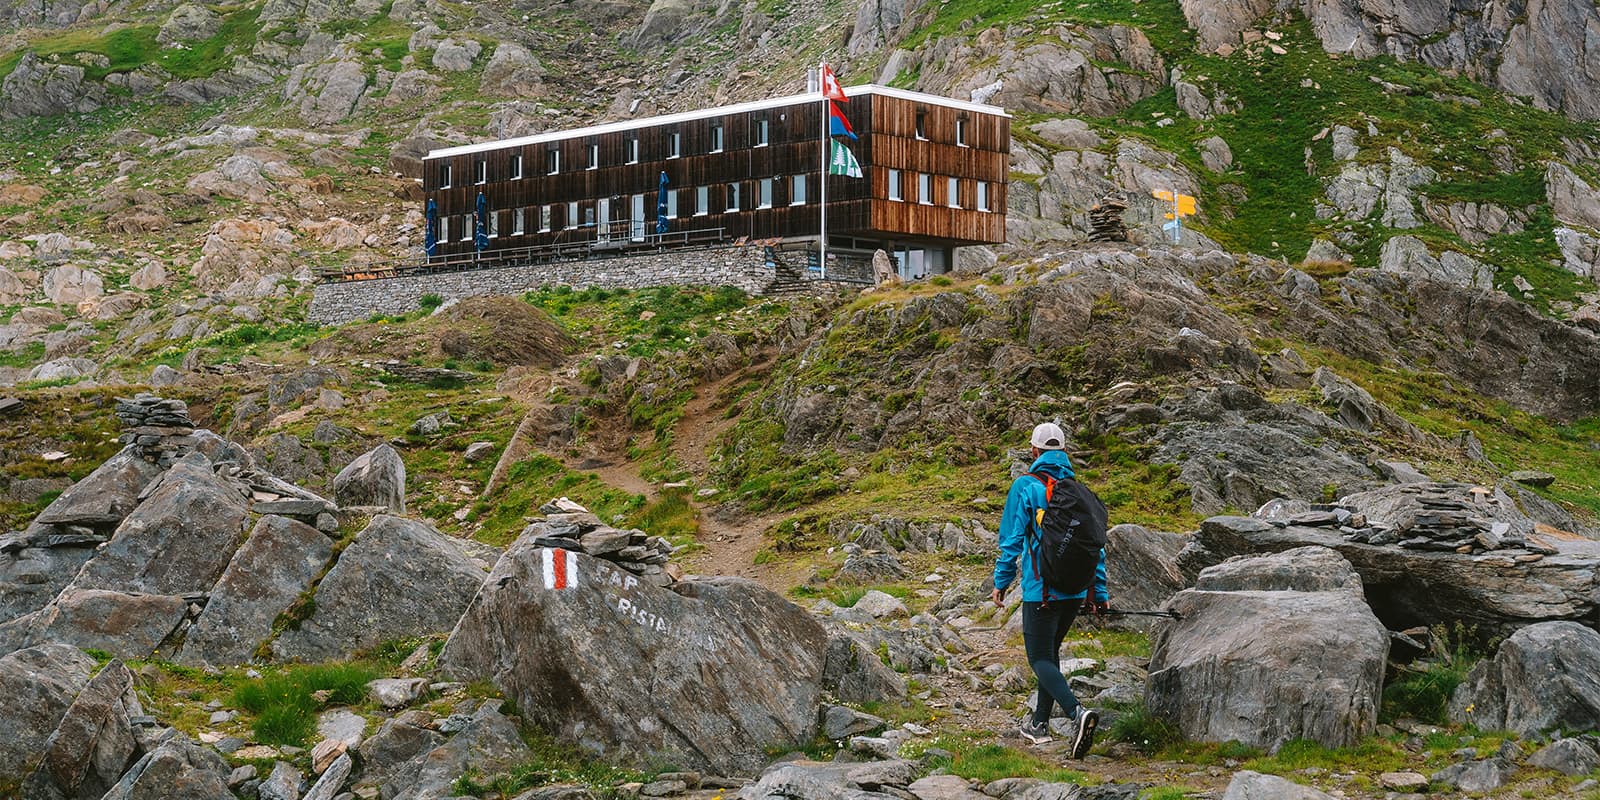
430,301
1145,731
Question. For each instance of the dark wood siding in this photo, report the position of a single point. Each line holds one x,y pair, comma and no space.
856,207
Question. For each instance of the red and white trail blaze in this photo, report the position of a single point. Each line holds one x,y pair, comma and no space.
560,568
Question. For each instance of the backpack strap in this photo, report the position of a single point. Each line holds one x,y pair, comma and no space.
1037,524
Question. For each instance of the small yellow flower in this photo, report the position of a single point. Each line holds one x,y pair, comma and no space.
1471,706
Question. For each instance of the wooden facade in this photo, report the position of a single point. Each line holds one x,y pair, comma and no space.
749,171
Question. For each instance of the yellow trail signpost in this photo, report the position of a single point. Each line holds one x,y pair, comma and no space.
1182,206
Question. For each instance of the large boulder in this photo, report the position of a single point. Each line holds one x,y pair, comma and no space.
177,769
706,674
489,744
400,578
1271,649
39,685
1544,677
1142,570
104,499
376,478
178,540
70,285
94,743
122,624
836,781
275,565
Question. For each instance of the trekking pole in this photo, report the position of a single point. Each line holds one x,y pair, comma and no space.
1119,612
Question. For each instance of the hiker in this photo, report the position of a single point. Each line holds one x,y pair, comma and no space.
1047,613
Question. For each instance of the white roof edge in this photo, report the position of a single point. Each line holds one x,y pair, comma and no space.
668,119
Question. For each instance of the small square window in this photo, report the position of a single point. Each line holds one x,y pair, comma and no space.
480,171
716,138
674,145
594,156
763,133
552,161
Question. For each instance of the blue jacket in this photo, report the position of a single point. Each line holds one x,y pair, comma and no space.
1017,524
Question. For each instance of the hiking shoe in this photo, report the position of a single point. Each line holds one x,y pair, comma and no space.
1083,739
1036,732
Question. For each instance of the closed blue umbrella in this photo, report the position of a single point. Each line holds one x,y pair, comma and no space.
480,235
430,237
661,205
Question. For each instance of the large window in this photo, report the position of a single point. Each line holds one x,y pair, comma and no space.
444,176
594,156
895,192
733,196
519,221
952,192
983,195
716,138
702,200
674,144
764,193
925,189
572,215
633,149
545,215
672,204
516,168
480,171
762,133
552,161
797,191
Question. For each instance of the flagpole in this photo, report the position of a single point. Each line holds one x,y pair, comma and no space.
822,178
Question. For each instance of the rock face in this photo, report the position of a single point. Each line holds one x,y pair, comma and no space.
1142,570
1271,649
733,668
399,578
178,768
375,478
39,89
39,684
1545,677
70,285
123,624
278,562
94,743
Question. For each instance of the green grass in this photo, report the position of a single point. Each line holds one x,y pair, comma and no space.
282,702
552,762
647,321
1161,20
1422,689
1145,731
1371,755
986,761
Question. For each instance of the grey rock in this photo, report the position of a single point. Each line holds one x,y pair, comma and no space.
69,285
1532,477
178,540
1480,776
399,579
1567,756
1248,785
944,787
696,640
818,782
879,605
63,369
1073,134
94,744
1142,570
1215,154
453,56
512,72
39,684
326,93
1324,250
164,375
397,692
375,478
125,625
1544,677
39,89
842,722
489,744
1409,255
282,784
332,780
478,451
392,756
188,22
1572,200
178,769
269,572
342,725
1271,649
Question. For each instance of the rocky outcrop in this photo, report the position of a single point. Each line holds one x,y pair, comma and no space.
93,744
376,478
512,72
39,684
1142,570
36,88
733,668
125,624
1250,785
70,285
326,93
1271,649
1545,677
274,566
176,764
1410,255
398,579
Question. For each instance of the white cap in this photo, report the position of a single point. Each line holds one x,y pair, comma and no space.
1048,436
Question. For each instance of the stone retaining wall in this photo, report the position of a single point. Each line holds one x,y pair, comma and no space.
745,267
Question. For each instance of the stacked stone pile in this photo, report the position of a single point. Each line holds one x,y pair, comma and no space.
1105,221
158,428
569,526
1440,517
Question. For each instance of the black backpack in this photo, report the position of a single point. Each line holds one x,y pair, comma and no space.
1071,532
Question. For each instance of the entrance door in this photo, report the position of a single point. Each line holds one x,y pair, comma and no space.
637,229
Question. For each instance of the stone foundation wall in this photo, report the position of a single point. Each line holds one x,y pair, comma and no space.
745,267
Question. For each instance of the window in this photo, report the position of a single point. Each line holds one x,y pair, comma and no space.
480,171
633,150
764,193
588,216
594,156
716,138
922,125
519,221
467,226
674,144
494,224
797,191
444,176
672,204
925,189
545,214
702,200
983,195
516,167
961,131
572,215
733,197
894,185
444,229
762,133
552,161
952,193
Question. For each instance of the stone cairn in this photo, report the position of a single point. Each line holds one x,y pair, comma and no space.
569,526
159,429
1105,221
1453,518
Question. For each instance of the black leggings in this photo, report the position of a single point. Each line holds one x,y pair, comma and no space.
1043,628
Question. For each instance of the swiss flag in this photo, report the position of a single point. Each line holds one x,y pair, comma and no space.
830,85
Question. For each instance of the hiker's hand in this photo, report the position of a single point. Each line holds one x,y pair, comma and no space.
998,596
1098,609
